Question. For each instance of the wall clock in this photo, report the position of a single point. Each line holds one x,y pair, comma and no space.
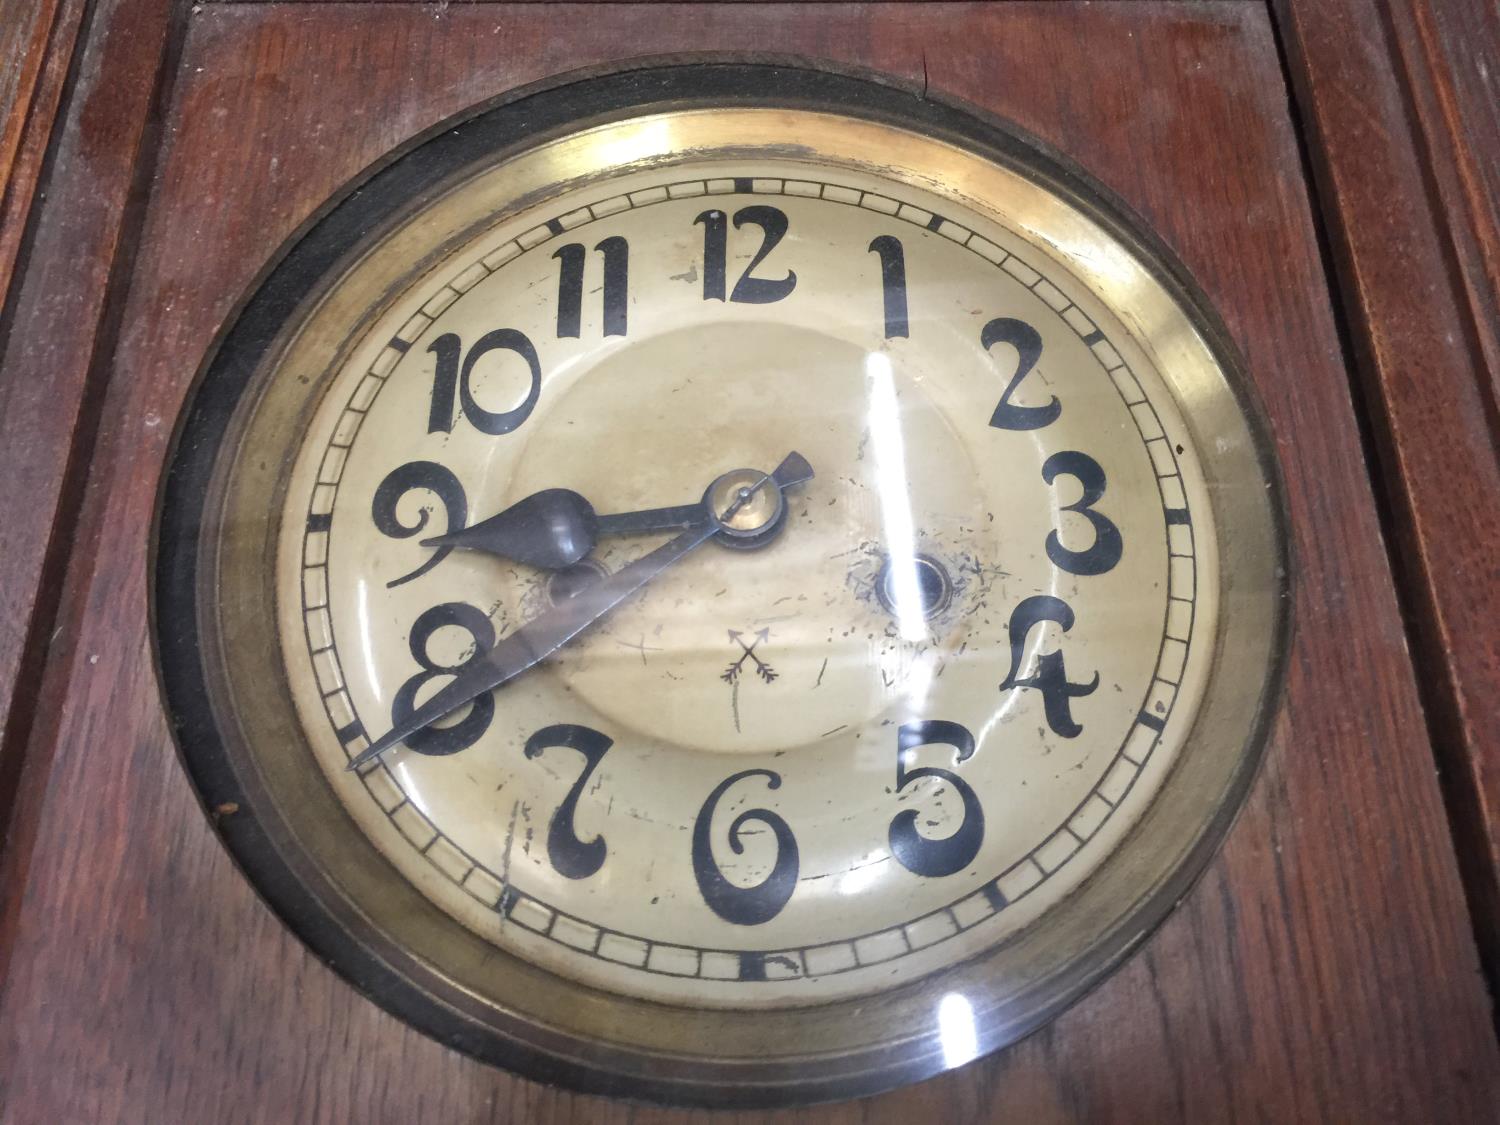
722,583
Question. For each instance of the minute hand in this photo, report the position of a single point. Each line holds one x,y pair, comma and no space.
542,637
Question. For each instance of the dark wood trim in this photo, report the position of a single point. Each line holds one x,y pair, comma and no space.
1399,101
56,342
36,49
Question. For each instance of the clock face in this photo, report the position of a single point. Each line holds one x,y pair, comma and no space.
779,585
886,738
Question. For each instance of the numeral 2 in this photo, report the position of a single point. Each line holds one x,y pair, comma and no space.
1028,344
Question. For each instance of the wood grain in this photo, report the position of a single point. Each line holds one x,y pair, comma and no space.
56,320
36,44
37,40
1402,100
1323,969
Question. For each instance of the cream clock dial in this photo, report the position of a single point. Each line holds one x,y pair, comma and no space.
948,682
757,598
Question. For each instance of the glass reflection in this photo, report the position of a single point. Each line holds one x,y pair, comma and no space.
864,875
366,633
895,498
956,1031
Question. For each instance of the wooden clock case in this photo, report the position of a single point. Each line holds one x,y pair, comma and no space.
1328,964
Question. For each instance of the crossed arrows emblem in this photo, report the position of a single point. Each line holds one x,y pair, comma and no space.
763,670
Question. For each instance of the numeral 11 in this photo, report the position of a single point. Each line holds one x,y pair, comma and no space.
571,258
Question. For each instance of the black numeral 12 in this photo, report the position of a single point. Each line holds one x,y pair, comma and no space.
570,258
747,290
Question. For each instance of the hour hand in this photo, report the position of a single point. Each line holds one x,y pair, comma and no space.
557,527
726,499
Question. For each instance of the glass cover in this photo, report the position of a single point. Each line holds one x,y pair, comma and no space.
890,731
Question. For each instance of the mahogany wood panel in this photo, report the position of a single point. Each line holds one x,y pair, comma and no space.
56,321
24,31
36,44
1403,101
37,40
1449,56
1323,969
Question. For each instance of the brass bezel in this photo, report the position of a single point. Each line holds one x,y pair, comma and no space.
495,1005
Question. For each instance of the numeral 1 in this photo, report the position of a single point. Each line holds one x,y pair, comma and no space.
892,282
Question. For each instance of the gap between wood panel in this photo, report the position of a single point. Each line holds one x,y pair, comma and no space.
22,220
51,631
